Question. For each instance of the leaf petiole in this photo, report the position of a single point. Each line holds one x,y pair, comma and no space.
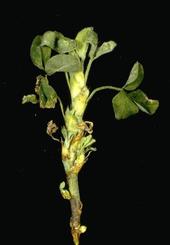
88,69
67,79
102,88
61,106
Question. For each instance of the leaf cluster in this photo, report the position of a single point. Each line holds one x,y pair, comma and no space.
53,52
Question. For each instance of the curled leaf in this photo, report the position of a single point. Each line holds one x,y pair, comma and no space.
85,37
47,95
123,106
93,41
51,128
35,52
49,38
143,102
135,78
105,48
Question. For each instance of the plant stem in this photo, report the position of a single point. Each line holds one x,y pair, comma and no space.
75,148
76,207
102,88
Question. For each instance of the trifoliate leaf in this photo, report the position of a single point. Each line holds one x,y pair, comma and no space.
123,106
135,78
105,48
143,102
62,63
29,98
35,52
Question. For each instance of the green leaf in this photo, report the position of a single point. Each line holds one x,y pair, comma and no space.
35,52
82,44
29,98
46,54
85,37
42,98
135,78
65,45
48,94
93,41
123,106
62,63
143,102
49,39
105,48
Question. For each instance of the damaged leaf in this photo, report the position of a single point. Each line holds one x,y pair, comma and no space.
145,104
29,98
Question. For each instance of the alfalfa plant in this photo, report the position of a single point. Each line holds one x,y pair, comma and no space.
52,52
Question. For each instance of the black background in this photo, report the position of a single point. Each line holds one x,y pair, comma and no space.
121,184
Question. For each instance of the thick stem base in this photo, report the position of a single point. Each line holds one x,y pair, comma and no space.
76,207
